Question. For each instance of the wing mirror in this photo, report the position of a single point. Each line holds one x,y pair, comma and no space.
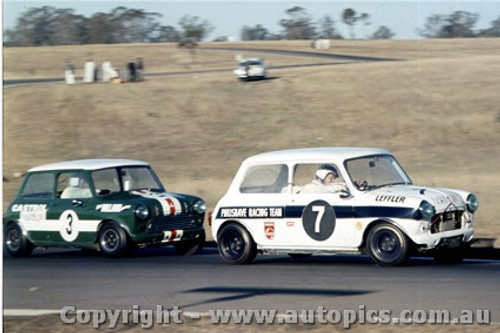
345,194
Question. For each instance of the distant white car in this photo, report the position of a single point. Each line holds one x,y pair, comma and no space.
339,200
251,68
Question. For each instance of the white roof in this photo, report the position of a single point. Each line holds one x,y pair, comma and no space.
314,154
89,164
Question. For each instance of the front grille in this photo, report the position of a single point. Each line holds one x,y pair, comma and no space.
166,223
446,221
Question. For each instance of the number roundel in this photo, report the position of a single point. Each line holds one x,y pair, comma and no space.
68,227
318,220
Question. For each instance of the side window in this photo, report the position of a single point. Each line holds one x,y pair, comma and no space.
304,174
265,179
38,185
311,177
106,181
72,185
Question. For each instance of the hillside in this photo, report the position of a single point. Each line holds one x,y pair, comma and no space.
437,112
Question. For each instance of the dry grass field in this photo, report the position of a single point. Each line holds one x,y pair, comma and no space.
437,111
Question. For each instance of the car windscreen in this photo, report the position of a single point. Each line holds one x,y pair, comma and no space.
126,179
250,63
376,171
139,178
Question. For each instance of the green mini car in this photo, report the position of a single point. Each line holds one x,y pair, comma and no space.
111,205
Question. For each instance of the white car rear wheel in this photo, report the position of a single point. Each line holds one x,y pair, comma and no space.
236,245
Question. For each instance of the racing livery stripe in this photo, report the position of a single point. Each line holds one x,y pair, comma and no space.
171,205
358,212
296,212
172,235
56,225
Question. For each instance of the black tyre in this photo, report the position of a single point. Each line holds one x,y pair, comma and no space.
236,245
187,248
452,256
15,242
387,245
112,240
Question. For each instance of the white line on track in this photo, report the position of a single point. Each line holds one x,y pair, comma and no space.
29,312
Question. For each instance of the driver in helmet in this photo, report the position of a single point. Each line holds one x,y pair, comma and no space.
324,181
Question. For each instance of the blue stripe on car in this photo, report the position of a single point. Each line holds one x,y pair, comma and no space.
341,212
358,212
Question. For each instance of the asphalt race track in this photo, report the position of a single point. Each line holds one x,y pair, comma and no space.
55,278
350,58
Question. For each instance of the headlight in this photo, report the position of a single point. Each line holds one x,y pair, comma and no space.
472,203
141,212
426,210
200,206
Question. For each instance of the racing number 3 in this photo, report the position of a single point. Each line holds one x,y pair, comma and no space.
318,220
68,225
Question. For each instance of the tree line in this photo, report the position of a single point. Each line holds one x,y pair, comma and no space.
45,26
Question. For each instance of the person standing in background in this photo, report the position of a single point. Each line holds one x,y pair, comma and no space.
88,74
69,73
106,71
139,70
131,72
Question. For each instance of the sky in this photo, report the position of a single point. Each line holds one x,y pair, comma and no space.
228,17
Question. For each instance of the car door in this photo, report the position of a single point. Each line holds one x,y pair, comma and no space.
320,217
73,211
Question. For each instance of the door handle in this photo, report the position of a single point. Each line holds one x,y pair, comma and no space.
78,203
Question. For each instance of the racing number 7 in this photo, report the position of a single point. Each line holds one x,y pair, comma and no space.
318,220
321,211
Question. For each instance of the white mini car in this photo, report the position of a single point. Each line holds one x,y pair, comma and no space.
339,200
251,68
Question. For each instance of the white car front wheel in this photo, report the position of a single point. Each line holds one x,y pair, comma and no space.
387,245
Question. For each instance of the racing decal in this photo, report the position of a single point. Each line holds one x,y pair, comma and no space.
390,198
112,208
172,235
269,230
318,220
453,198
251,212
36,213
69,225
170,204
442,200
